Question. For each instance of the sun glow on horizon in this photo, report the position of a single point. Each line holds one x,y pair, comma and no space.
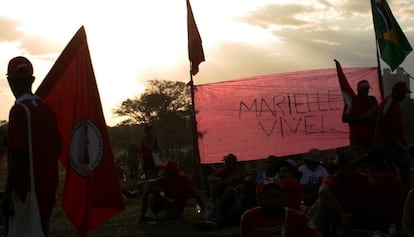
134,41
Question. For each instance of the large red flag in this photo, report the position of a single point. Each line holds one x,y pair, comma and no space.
92,191
195,48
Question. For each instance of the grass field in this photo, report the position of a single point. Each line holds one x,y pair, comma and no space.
126,224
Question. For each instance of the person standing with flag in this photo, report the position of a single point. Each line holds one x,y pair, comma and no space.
359,112
361,117
390,130
46,145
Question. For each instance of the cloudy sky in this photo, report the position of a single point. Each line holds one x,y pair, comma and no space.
134,41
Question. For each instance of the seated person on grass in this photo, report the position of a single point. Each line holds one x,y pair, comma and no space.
290,183
167,195
389,190
346,199
272,217
312,175
271,168
229,176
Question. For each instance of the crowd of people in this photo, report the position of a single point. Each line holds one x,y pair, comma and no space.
366,186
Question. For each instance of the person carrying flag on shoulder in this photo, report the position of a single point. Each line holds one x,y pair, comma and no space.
359,112
361,116
46,146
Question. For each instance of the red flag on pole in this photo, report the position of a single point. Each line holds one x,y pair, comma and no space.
92,191
195,47
347,91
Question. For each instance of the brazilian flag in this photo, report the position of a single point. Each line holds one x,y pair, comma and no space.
393,44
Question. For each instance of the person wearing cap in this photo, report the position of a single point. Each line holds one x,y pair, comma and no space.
312,171
45,139
312,175
227,192
390,129
361,116
290,183
346,199
167,195
272,218
228,176
271,168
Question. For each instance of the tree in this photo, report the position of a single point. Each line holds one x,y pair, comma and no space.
167,105
160,97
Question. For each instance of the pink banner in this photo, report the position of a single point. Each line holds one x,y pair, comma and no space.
280,114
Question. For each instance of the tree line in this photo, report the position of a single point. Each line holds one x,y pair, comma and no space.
166,105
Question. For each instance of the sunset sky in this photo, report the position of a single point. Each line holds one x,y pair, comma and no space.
133,41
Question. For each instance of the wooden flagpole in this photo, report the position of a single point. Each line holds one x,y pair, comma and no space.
381,84
195,135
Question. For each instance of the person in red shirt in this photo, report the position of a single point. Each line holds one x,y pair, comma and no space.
290,183
346,199
45,140
272,217
390,130
361,117
167,195
389,191
228,176
226,192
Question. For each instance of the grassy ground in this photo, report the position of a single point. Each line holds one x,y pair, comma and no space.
126,224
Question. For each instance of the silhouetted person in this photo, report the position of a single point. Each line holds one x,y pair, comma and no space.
390,130
45,139
361,117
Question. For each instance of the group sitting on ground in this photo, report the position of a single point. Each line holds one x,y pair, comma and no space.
364,192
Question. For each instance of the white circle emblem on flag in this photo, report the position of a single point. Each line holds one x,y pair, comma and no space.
86,147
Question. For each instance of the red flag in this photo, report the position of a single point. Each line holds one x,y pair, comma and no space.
195,48
92,191
347,91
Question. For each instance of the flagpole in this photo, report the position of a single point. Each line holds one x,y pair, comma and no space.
381,84
195,134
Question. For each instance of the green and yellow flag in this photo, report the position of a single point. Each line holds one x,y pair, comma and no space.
393,44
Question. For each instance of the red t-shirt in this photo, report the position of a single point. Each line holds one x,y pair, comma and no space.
177,189
356,198
254,224
361,132
46,149
390,193
390,110
293,192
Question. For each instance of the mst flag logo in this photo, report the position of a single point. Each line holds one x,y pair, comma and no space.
86,147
